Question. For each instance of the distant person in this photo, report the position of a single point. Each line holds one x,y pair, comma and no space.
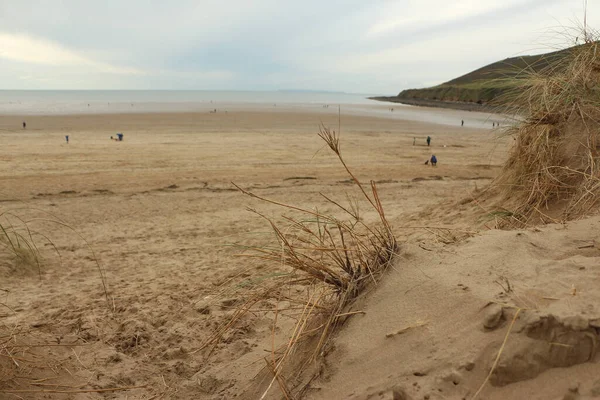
67,138
414,141
24,125
433,160
462,122
428,141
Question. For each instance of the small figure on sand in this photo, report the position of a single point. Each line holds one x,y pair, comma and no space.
428,141
24,125
67,138
462,122
433,160
414,141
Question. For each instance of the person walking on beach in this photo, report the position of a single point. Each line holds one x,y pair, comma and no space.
428,141
433,160
462,122
24,125
67,138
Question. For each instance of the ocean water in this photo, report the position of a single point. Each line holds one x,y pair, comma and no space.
52,102
67,102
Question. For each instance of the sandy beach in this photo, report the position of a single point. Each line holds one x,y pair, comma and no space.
159,210
161,214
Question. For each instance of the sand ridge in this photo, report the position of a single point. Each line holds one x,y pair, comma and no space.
458,302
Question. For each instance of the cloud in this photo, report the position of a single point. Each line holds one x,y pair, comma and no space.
40,62
413,15
377,46
28,49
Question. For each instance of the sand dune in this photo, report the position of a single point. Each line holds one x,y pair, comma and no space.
458,302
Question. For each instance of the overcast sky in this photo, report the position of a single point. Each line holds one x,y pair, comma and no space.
363,46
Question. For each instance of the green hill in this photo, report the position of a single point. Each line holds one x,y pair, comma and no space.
478,88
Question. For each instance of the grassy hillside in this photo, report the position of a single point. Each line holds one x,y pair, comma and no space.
479,87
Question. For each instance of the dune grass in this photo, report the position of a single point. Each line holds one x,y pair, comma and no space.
553,172
325,260
17,241
20,251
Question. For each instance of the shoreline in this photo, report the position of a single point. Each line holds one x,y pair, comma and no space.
452,105
375,111
109,101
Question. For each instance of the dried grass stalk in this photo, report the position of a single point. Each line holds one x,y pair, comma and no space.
333,255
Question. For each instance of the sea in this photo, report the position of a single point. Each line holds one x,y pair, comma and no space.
57,102
69,102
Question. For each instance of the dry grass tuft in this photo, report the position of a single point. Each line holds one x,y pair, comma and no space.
22,355
319,263
17,242
552,173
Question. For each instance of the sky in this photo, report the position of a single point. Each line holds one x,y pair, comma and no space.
358,46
